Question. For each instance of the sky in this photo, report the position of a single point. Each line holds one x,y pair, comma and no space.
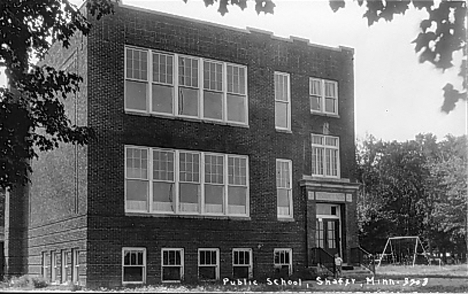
396,97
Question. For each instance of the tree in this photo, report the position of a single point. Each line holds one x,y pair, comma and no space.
32,115
417,187
442,33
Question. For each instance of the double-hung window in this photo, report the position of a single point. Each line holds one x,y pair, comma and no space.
184,86
136,179
65,266
136,79
162,87
185,182
283,261
282,101
284,187
76,265
213,102
172,264
133,265
45,263
214,184
325,156
237,185
189,185
323,96
208,264
236,94
163,180
242,263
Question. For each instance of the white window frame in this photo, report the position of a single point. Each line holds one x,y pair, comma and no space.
323,97
176,86
202,183
64,265
287,102
288,189
148,81
216,266
75,255
134,249
44,267
181,250
148,179
280,265
249,265
54,266
324,148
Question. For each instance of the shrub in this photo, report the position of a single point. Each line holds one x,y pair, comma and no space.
28,282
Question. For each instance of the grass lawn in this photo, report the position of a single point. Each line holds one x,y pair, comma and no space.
460,270
389,279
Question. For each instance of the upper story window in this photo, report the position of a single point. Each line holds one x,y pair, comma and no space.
282,101
185,182
185,86
323,96
284,187
325,156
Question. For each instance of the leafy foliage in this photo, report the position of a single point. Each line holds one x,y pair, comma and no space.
413,188
32,114
442,33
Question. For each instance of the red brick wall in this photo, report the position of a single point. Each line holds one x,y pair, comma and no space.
109,228
58,190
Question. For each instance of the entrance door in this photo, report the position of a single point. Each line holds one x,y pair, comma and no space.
328,235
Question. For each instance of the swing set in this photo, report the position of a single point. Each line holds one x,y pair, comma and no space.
407,250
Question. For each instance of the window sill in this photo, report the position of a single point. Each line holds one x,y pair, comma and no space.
197,216
325,114
132,283
283,131
186,118
286,219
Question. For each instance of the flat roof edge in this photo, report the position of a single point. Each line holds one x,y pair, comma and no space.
247,30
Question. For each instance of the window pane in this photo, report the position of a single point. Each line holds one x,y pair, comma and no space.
162,68
171,274
316,87
316,103
162,98
137,195
188,101
136,64
188,72
237,200
213,105
189,197
214,169
133,274
330,89
281,115
163,197
213,76
207,273
214,196
236,79
136,161
135,95
189,166
281,87
284,205
163,165
237,170
330,105
241,272
236,108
